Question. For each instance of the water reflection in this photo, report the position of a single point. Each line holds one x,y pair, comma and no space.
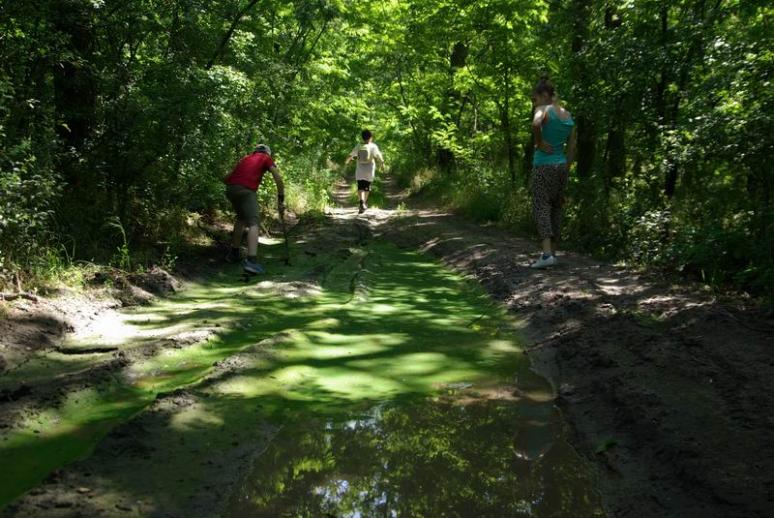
459,455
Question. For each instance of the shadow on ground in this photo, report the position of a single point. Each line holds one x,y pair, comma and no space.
363,378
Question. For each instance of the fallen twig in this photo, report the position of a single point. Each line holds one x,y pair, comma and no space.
20,295
86,350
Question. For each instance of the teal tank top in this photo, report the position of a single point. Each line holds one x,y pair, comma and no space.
555,132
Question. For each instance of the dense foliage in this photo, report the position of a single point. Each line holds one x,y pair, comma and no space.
118,118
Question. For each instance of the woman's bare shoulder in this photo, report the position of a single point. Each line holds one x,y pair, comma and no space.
563,113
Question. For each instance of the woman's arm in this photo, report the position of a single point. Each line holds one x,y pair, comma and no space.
541,112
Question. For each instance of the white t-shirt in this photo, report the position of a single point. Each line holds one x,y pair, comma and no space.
367,170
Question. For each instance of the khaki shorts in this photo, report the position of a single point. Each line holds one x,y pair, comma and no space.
245,203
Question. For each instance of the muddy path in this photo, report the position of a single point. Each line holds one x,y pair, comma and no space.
366,378
666,387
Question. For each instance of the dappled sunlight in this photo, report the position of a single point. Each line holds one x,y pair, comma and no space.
56,436
353,384
194,417
292,346
498,348
341,350
247,386
538,396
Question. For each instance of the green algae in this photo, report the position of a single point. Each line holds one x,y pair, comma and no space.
346,331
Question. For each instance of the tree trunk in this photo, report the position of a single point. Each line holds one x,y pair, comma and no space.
670,110
587,142
615,157
505,119
74,79
457,60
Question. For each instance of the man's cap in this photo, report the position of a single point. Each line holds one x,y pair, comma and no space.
263,148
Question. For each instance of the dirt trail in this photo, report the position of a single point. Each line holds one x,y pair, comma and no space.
664,387
362,378
667,387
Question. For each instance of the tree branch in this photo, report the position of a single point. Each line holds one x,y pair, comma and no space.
229,33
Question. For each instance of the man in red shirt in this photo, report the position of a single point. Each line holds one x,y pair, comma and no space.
241,186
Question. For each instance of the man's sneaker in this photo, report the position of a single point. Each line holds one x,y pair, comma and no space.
252,267
544,262
362,208
232,256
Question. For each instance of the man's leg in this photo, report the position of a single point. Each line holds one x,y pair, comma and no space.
239,229
363,188
236,240
232,194
251,218
361,198
251,263
246,206
252,243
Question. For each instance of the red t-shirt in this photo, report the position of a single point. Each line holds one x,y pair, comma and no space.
250,169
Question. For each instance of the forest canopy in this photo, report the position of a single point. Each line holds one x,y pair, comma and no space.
119,118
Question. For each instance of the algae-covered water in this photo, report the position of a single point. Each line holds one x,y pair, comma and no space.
361,381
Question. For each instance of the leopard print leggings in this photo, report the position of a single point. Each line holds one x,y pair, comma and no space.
548,183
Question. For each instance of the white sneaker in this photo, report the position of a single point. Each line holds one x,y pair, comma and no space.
544,262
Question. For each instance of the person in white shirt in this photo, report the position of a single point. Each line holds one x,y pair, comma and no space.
367,155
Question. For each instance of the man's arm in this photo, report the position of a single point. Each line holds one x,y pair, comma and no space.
351,156
572,146
275,173
537,129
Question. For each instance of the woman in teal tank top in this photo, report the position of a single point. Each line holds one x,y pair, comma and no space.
554,131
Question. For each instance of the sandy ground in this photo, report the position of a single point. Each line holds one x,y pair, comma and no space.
665,386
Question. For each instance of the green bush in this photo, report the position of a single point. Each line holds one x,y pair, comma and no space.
27,208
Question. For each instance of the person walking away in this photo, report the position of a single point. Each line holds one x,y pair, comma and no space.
241,187
367,155
555,140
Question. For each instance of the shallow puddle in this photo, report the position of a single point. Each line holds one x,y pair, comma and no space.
464,455
385,384
416,400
